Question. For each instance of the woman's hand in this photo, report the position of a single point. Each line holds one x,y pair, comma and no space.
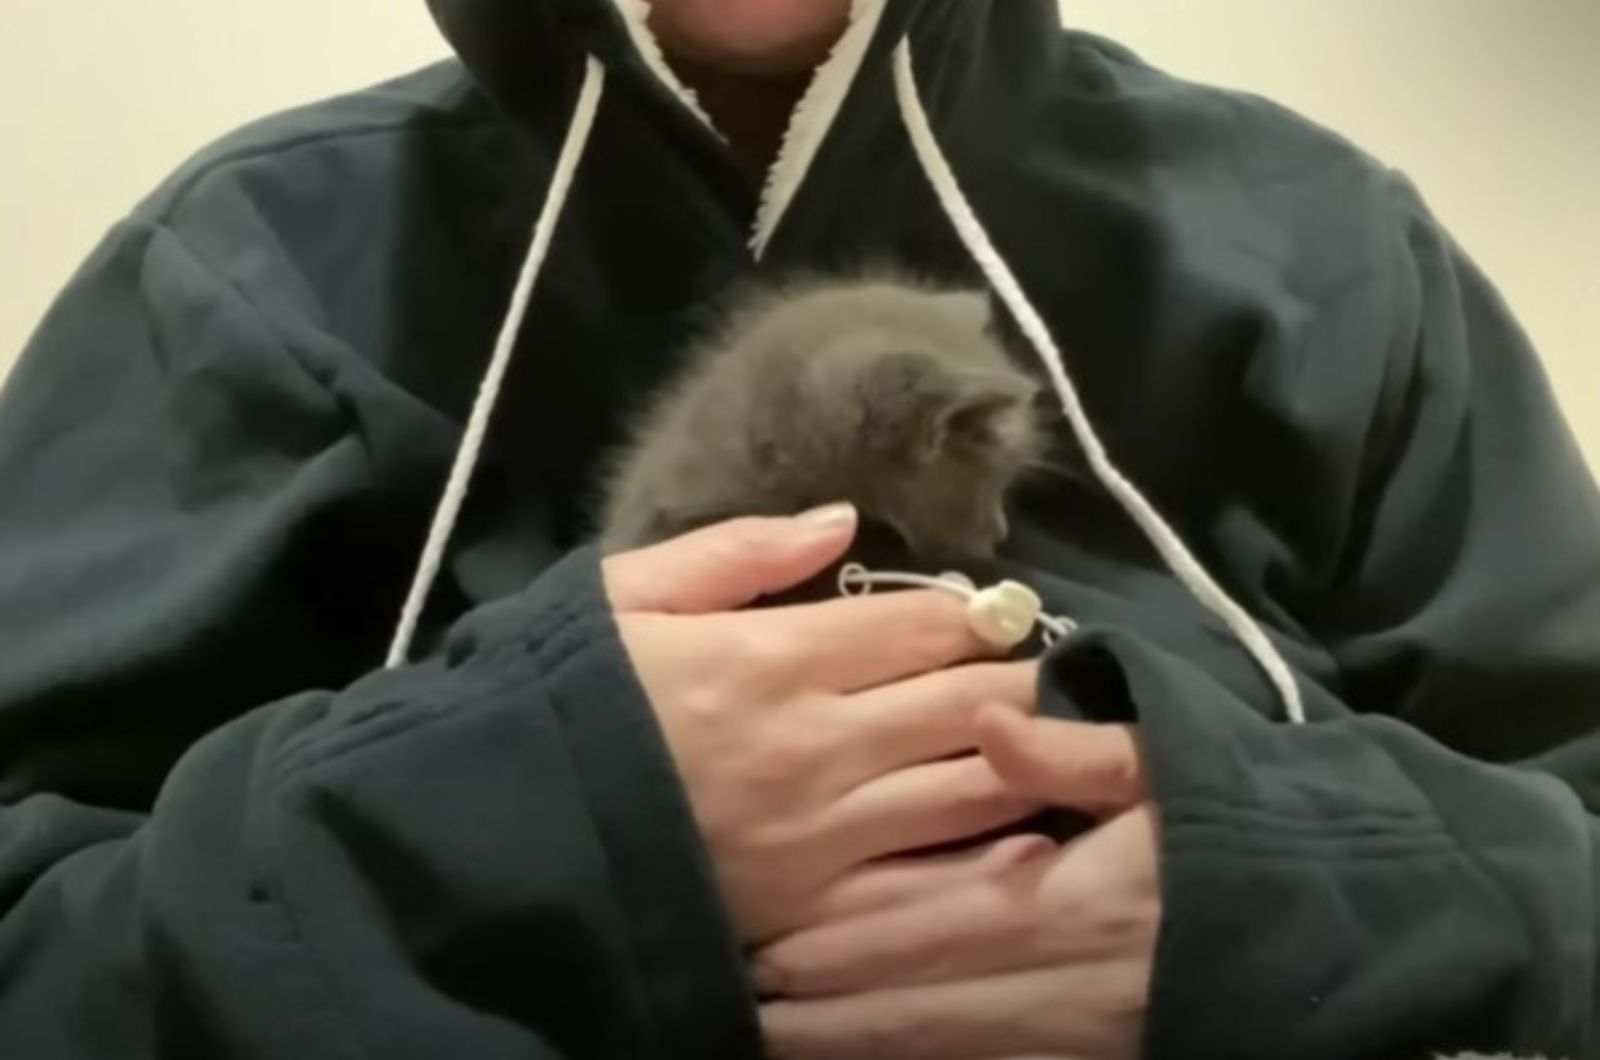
1051,957
817,742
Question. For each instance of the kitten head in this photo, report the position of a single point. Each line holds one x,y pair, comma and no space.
888,395
928,421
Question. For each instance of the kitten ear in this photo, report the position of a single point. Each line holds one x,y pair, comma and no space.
984,410
973,308
984,310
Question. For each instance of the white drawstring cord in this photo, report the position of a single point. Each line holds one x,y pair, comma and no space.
1166,541
472,439
1004,615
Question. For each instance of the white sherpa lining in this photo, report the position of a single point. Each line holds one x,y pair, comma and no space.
813,117
636,17
809,124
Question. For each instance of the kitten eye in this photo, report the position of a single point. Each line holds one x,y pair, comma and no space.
979,421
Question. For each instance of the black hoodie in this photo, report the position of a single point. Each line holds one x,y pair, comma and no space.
227,830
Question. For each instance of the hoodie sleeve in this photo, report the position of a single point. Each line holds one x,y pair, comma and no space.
1416,871
486,854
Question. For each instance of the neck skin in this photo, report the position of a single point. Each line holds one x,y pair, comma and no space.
751,110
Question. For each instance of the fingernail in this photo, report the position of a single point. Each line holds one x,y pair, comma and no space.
829,517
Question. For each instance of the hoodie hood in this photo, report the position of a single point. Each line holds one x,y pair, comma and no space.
506,42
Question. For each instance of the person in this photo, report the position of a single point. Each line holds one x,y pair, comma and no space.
323,734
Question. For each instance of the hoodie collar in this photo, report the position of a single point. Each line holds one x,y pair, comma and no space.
510,46
515,48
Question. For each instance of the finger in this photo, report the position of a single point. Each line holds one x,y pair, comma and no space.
1084,1011
926,717
1098,769
1094,901
730,565
921,924
983,924
923,806
853,643
898,881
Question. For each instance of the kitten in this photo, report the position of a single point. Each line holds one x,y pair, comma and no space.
896,397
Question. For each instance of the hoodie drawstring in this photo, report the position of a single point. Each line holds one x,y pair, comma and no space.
1174,553
471,447
936,167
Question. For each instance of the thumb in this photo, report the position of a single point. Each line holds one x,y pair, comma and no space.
726,566
1096,769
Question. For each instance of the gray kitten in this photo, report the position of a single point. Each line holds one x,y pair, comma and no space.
893,396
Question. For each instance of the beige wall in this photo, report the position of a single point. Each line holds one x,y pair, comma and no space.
100,99
1489,104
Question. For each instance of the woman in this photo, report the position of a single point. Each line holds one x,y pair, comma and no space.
262,800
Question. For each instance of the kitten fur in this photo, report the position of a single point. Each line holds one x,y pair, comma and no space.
894,396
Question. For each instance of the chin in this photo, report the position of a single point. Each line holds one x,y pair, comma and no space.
751,36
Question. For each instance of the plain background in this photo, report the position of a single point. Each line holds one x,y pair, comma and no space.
1492,106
